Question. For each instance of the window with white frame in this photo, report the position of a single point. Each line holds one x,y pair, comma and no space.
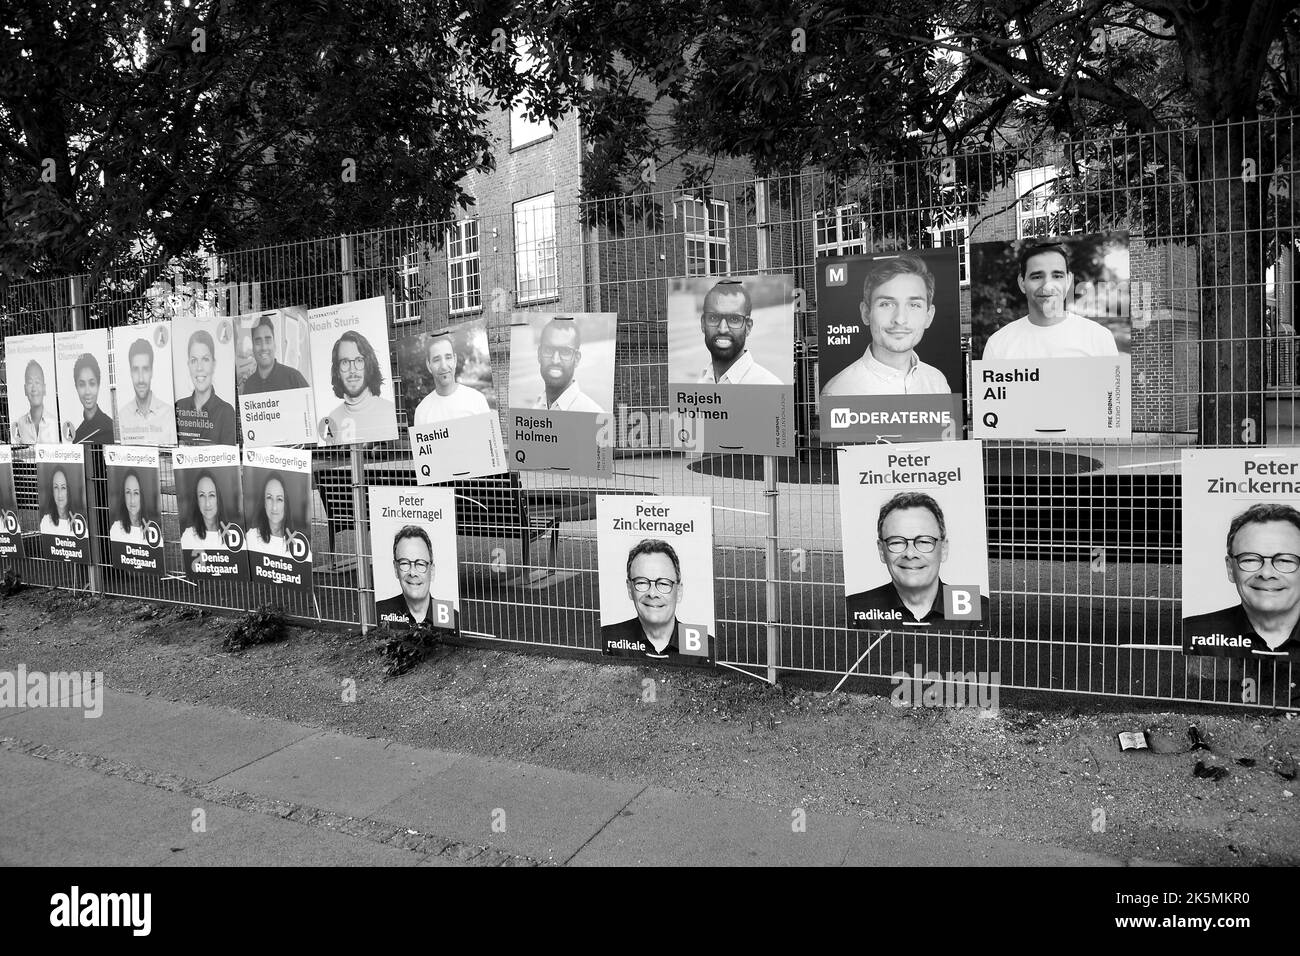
708,243
1037,210
954,232
523,130
406,303
463,294
839,231
537,269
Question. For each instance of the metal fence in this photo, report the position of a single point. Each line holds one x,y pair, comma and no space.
1084,537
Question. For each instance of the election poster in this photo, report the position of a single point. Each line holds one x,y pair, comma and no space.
11,529
731,363
204,365
655,562
451,403
33,398
85,399
352,373
61,496
273,362
135,540
1241,553
561,392
143,357
208,501
413,549
1051,329
915,541
890,357
277,516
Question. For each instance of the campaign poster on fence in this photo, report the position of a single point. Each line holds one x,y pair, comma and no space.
451,403
145,411
85,399
655,561
273,358
413,550
61,496
352,373
890,357
731,363
208,502
562,392
277,516
135,540
33,397
1241,553
204,364
11,529
1050,333
915,541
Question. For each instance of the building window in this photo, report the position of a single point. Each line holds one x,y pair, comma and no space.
1037,210
839,231
537,272
406,304
522,129
954,233
462,267
708,248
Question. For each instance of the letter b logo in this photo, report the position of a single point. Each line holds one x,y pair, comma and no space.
443,615
961,602
691,640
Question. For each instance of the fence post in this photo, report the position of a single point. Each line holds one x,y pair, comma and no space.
361,520
770,491
78,311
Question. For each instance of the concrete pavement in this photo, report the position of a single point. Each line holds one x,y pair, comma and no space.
152,782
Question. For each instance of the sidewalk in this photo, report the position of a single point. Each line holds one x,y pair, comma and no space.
127,787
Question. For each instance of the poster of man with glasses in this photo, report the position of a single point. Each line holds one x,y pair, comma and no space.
731,363
352,373
413,550
561,391
915,542
655,560
1241,553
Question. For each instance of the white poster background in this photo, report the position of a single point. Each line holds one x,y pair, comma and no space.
68,347
19,350
369,318
442,535
132,429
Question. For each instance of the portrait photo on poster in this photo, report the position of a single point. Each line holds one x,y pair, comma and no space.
273,370
33,391
914,535
413,548
562,362
1241,553
203,361
11,529
61,498
210,511
447,374
655,560
85,398
733,330
134,509
352,371
146,413
277,513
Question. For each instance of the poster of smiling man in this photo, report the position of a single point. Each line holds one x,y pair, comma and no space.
33,398
277,516
204,363
11,529
561,392
915,542
413,549
890,359
1241,553
353,373
731,363
208,501
655,558
1050,333
143,356
61,495
273,358
85,400
135,541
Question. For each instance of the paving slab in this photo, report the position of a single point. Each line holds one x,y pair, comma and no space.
539,812
29,782
332,771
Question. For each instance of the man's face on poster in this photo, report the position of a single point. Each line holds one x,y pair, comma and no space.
1046,282
898,313
557,358
87,388
414,567
141,374
352,368
34,386
726,324
1266,590
912,567
264,347
652,606
442,364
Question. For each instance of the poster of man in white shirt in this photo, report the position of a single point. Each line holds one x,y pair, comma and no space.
143,356
890,358
561,389
450,402
353,373
33,401
731,362
1050,333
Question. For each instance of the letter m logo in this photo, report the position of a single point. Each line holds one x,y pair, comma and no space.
840,418
837,275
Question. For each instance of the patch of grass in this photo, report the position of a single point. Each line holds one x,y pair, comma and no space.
266,625
402,650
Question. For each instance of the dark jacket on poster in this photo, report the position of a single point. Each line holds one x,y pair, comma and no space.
882,607
1231,623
